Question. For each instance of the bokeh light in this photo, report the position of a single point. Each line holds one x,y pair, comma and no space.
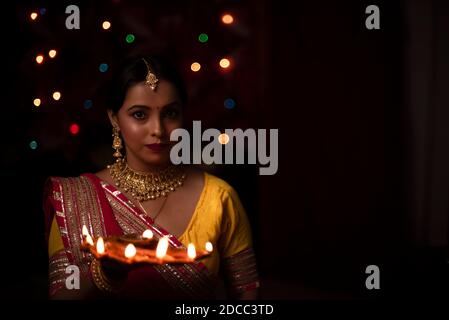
130,38
195,67
103,67
37,102
52,53
229,103
223,138
33,16
203,37
33,145
74,128
88,104
39,59
227,18
225,63
56,95
43,11
106,25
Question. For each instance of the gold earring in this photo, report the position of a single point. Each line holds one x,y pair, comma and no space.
116,143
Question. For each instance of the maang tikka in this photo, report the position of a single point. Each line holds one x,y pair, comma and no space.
116,143
151,78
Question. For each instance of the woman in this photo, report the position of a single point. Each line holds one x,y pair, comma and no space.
143,190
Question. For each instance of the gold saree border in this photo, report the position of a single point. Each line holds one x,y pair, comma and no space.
57,265
76,204
241,271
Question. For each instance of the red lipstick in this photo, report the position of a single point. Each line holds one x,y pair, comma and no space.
157,147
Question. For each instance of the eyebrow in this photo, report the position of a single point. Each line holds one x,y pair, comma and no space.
174,103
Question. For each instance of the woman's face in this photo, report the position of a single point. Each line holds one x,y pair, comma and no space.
146,120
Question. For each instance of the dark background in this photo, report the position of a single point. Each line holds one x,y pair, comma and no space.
362,116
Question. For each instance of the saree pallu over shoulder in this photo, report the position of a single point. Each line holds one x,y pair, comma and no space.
75,202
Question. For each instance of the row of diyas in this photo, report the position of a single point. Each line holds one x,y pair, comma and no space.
130,249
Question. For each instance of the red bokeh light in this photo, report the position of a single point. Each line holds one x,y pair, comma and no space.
74,128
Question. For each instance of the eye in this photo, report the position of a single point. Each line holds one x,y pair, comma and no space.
139,115
171,113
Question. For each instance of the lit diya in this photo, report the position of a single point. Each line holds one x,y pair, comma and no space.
133,249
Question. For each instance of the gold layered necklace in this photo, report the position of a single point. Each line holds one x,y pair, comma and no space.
146,186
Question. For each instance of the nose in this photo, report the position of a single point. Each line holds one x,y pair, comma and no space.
157,129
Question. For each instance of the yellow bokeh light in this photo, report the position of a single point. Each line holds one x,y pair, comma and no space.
195,67
37,102
33,16
225,63
106,25
227,18
56,95
52,53
223,138
40,59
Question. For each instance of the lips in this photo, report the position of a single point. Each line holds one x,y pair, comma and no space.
157,147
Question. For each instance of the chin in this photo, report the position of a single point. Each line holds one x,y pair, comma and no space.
158,160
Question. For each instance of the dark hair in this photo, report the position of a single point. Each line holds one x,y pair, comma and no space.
134,70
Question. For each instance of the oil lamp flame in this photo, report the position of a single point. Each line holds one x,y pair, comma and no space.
130,251
191,252
147,234
162,247
100,245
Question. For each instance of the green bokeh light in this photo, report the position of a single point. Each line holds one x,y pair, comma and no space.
33,145
130,38
203,37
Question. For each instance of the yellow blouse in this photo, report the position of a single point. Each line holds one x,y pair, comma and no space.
219,217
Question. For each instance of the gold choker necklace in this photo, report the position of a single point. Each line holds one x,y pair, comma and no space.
146,186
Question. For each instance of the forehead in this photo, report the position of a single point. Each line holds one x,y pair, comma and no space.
142,94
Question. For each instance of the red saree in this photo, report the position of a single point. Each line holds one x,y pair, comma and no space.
87,200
